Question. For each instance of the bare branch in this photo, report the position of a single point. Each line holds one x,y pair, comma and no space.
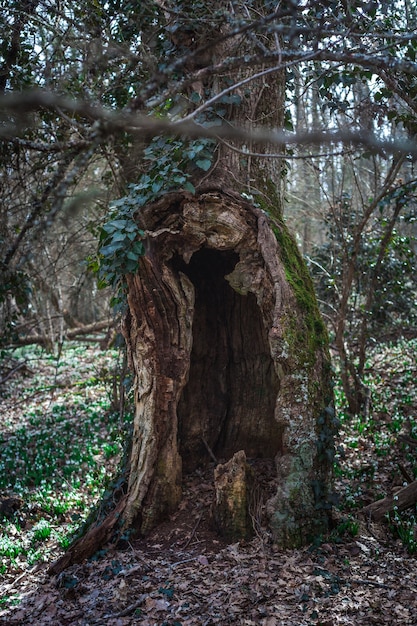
57,146
108,122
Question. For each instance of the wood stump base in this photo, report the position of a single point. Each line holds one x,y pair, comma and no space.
233,483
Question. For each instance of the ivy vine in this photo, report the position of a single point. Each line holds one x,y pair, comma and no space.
170,163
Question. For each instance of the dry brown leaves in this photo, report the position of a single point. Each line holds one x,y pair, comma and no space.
361,582
183,575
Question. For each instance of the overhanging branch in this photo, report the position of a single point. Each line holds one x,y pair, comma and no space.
107,122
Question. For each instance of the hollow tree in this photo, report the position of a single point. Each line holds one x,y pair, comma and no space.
229,354
223,331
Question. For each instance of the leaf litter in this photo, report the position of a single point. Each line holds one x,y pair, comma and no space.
183,574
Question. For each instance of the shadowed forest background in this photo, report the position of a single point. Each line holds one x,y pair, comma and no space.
308,110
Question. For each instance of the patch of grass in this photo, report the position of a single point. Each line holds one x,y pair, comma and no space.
11,546
10,600
64,442
347,526
41,531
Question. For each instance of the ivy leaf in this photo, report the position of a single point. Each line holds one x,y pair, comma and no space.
189,186
138,248
156,186
203,164
132,256
111,248
130,266
120,236
110,227
232,99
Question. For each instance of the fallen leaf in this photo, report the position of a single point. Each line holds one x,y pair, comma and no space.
202,560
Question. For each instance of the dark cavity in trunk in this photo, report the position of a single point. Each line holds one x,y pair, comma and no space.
229,400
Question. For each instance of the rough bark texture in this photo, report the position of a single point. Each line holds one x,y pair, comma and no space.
229,354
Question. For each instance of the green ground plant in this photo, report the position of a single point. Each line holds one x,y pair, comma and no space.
376,449
60,445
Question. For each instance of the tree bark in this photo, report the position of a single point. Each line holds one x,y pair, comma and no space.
233,484
229,354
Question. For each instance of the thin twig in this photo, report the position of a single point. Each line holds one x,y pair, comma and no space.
130,608
210,451
371,583
193,558
404,472
33,570
13,371
193,532
108,122
409,440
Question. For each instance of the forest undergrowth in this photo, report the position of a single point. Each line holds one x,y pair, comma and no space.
61,441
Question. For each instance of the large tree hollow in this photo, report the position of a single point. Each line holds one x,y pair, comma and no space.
229,400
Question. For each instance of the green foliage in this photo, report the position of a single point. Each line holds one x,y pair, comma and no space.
54,446
338,87
60,457
347,526
9,547
169,164
371,449
80,49
120,247
403,525
41,531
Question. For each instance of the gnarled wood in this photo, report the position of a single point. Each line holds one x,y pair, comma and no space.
229,354
233,482
223,331
217,338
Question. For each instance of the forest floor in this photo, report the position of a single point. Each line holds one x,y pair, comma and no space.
59,444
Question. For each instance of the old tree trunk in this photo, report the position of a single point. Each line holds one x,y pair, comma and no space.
227,347
229,355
